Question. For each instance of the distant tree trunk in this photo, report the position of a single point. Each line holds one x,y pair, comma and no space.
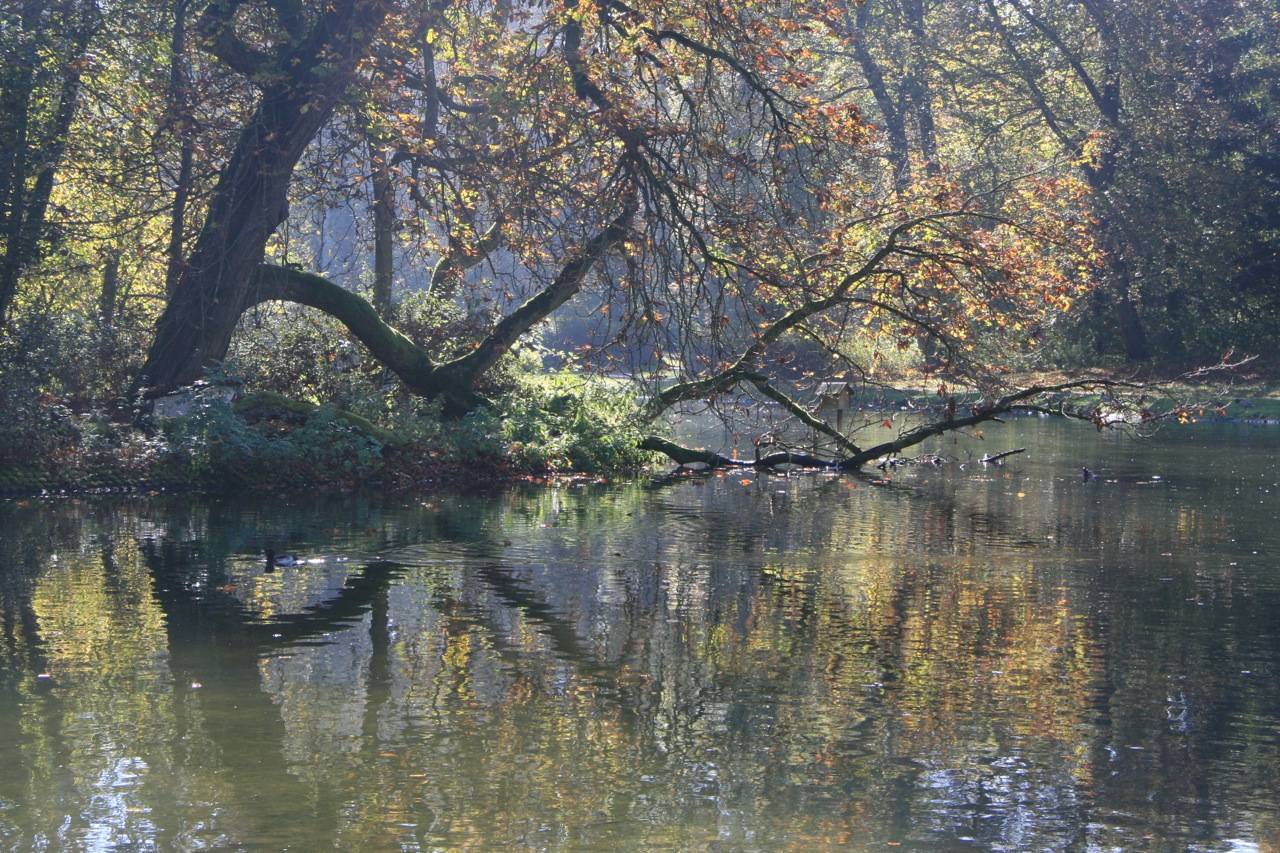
1118,275
1132,332
384,231
24,155
1103,88
919,89
15,118
108,299
895,127
180,109
109,294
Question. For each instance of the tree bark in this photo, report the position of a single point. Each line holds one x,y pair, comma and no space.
249,203
404,358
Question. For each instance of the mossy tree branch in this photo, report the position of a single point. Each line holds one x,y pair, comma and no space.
405,358
453,381
466,369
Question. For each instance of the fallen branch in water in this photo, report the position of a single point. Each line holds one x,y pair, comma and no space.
994,458
683,456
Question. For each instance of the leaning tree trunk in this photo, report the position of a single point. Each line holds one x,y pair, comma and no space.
249,203
451,382
308,70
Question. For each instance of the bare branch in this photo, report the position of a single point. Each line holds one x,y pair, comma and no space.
801,414
739,369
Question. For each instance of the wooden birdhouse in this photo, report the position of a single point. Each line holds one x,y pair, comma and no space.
835,401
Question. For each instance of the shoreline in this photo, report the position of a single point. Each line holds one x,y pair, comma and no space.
453,477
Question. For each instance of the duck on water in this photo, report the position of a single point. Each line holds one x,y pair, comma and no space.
282,561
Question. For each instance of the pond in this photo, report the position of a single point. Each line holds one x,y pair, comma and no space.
982,658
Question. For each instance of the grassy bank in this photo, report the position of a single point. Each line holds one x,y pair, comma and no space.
546,426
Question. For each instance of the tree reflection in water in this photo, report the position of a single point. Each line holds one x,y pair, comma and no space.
797,662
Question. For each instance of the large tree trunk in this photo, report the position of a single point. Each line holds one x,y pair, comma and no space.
305,74
249,203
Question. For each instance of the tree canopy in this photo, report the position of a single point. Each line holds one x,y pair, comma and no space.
711,194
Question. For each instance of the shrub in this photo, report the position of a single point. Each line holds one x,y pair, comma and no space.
216,446
559,422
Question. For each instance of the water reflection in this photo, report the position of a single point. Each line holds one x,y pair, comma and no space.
1006,658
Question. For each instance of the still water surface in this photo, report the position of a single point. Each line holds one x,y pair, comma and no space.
1003,658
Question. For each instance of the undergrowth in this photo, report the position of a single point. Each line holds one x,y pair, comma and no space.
538,424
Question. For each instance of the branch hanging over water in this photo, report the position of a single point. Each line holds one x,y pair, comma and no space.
1032,399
